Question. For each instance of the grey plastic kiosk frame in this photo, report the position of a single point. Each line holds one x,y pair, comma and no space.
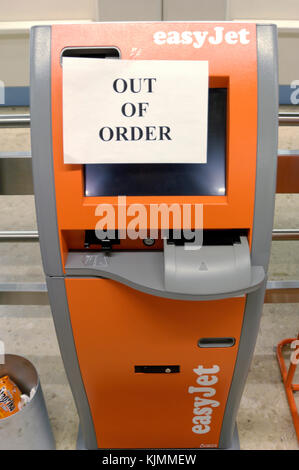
161,277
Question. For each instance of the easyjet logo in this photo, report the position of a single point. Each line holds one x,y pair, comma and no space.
203,406
198,38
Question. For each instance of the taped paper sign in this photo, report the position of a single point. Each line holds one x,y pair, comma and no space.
134,111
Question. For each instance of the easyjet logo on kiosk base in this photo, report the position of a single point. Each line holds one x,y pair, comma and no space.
199,38
203,406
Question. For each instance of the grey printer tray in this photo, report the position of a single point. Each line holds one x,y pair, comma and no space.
174,273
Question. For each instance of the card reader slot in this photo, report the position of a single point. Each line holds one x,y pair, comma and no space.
216,342
157,369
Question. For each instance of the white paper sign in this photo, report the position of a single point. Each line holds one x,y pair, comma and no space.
134,111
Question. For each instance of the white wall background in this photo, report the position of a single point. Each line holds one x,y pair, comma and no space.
33,10
16,17
264,9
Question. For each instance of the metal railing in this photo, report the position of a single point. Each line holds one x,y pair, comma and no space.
18,235
14,120
288,119
278,291
23,120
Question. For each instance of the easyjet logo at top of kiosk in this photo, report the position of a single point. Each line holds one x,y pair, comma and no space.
199,38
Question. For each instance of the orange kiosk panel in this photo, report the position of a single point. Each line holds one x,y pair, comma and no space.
157,337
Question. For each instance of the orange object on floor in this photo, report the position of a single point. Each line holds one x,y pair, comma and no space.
10,397
287,377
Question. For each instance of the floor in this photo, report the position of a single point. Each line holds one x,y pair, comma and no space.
264,420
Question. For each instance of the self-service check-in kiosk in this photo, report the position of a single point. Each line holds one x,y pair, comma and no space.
156,335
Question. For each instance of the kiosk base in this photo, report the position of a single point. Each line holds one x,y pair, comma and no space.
235,445
80,442
235,442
